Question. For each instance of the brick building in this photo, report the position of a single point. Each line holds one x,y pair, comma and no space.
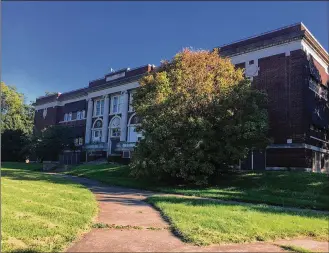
288,63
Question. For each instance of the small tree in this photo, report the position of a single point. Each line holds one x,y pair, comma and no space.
52,141
199,115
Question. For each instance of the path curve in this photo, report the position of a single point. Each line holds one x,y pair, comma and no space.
126,207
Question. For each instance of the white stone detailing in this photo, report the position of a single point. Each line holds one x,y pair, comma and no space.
252,69
309,50
105,118
124,115
59,103
89,121
116,76
265,52
115,89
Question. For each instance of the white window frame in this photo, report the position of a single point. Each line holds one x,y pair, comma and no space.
98,130
83,112
70,116
118,105
111,129
101,109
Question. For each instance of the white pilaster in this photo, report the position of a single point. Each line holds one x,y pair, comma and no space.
124,115
89,121
105,118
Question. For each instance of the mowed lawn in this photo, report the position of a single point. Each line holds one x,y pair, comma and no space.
205,222
41,213
286,189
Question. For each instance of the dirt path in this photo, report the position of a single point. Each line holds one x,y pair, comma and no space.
140,228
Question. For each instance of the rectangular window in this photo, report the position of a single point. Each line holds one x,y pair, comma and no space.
78,115
65,117
99,107
115,108
115,132
80,141
70,116
83,114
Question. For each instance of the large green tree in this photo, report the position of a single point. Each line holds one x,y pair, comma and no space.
199,116
15,113
16,124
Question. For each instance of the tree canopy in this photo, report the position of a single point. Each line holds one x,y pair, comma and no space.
15,114
199,116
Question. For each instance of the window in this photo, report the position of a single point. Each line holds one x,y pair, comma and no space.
65,117
70,116
251,62
97,130
80,142
78,115
115,104
115,130
83,114
99,107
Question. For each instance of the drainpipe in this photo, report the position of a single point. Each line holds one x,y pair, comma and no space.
252,159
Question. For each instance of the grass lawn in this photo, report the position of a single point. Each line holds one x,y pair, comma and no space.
205,222
291,189
41,213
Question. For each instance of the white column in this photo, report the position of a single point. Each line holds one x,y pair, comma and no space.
105,118
124,115
89,121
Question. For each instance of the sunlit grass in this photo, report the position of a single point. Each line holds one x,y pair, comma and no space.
287,189
205,222
41,212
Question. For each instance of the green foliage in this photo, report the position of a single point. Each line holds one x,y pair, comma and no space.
52,141
15,145
199,115
285,189
15,114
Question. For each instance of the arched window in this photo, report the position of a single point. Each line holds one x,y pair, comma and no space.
65,117
97,130
115,130
133,135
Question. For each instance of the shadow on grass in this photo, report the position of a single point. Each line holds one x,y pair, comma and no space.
153,200
27,172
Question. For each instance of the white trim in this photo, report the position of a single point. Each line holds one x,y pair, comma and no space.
309,50
312,137
59,103
118,105
300,145
265,52
100,109
94,94
314,38
285,168
130,119
110,129
95,123
113,89
70,120
261,34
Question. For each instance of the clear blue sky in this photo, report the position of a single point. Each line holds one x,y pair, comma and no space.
61,46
